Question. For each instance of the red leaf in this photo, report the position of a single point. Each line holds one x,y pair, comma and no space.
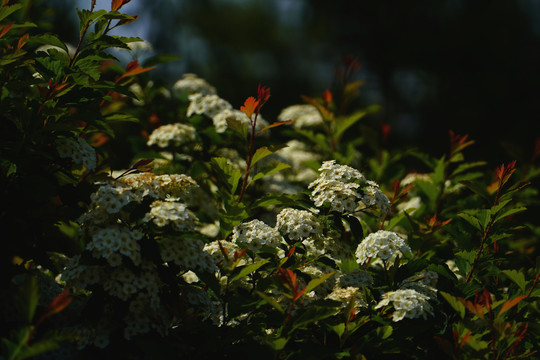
22,41
458,142
465,338
117,4
249,107
291,251
263,94
476,309
385,129
503,172
277,123
58,304
510,304
133,69
5,29
326,98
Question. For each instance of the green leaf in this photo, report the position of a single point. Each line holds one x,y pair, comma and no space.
160,59
88,17
510,212
48,39
496,208
313,314
264,151
318,281
227,172
270,301
272,199
27,298
38,348
348,264
339,329
428,188
484,216
516,276
277,344
248,269
238,127
270,170
341,124
454,303
477,188
463,260
464,167
437,176
384,331
5,11
471,220
122,118
356,227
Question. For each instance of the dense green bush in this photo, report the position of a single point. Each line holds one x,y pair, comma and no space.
143,219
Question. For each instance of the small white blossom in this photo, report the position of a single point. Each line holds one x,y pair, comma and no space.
383,245
407,304
256,234
190,83
163,213
297,224
172,135
78,150
209,105
302,116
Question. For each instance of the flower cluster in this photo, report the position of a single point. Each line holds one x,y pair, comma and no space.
407,303
256,234
348,295
423,282
186,252
209,105
344,188
356,278
382,245
223,252
302,116
191,83
163,213
297,224
172,135
78,150
115,232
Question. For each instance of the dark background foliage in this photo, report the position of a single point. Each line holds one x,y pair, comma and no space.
470,66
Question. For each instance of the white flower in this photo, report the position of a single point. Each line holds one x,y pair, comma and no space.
297,224
423,282
78,150
209,105
347,295
407,304
175,213
172,135
256,234
302,116
384,245
190,83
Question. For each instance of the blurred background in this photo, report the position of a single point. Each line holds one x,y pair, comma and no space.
432,66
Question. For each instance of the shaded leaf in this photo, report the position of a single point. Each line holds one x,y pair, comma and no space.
248,269
270,301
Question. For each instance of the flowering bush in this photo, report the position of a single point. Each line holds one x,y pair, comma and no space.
265,246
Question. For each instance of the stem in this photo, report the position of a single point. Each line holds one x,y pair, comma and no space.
249,157
484,237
